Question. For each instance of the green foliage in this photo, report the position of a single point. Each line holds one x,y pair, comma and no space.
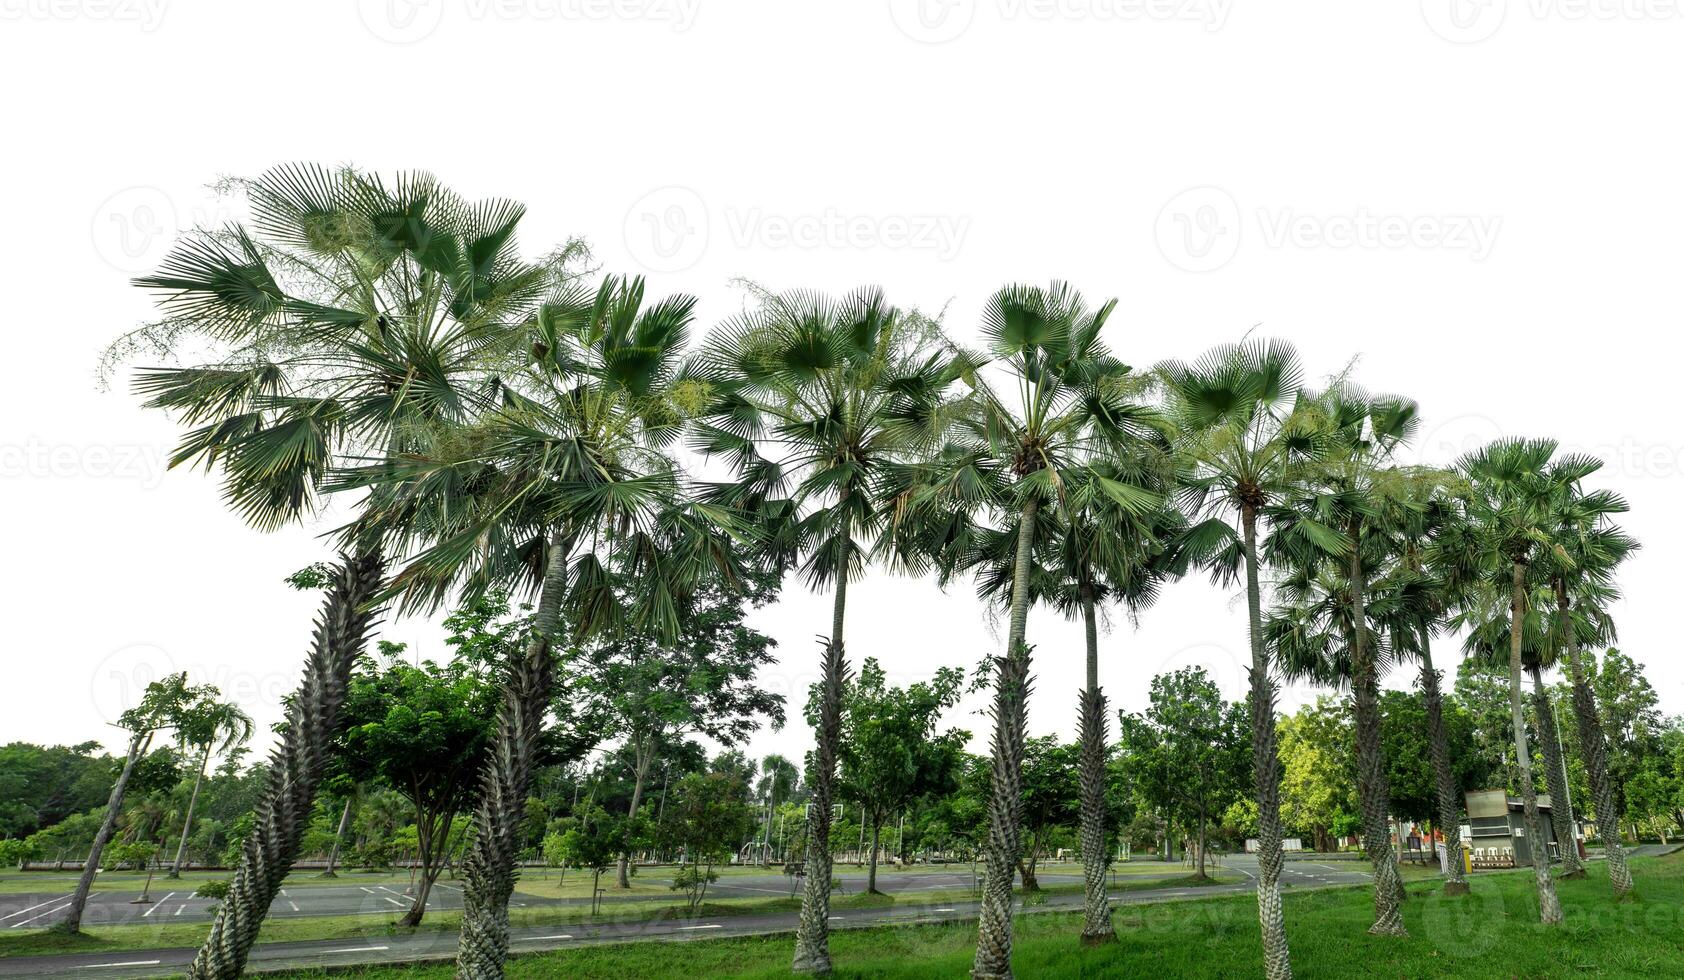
1189,751
217,889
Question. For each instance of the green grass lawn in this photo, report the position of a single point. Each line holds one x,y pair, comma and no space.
1492,933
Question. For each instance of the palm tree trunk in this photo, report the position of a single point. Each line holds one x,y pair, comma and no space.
812,934
295,766
1594,747
1549,907
1005,798
333,855
1555,777
1373,788
72,922
1096,906
1449,819
1266,771
187,825
489,870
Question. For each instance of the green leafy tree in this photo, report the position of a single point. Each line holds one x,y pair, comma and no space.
892,750
1318,783
1188,751
423,730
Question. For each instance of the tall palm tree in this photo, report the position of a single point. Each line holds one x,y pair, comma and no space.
1516,486
1579,578
1347,490
1239,431
1427,531
1063,401
213,727
565,481
811,402
350,315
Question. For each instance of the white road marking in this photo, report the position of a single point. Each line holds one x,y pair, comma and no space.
155,905
943,910
355,949
179,910
712,926
43,915
394,902
37,905
294,906
95,966
284,893
369,890
562,936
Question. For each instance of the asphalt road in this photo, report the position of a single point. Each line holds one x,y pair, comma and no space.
319,900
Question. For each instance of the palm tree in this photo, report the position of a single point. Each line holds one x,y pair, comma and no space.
1239,432
1516,486
1579,578
160,708
816,399
1428,534
1347,491
1066,402
349,316
565,482
212,727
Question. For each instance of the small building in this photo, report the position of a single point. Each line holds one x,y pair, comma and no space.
1497,830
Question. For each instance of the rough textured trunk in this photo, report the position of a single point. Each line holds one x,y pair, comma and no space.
1555,777
295,767
871,876
1549,907
489,870
1373,788
623,878
333,855
1449,814
1096,906
1266,771
72,922
1005,798
1595,750
187,825
812,933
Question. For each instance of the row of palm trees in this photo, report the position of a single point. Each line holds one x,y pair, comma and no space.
507,425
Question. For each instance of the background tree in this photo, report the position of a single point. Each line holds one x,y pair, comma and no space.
1318,788
422,729
211,726
1188,750
159,709
704,682
1052,797
892,751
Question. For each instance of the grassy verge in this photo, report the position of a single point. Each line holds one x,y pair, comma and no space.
1492,933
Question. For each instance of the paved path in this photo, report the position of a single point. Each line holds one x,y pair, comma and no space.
442,945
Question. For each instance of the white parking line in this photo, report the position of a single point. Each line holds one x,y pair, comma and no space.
954,910
566,935
355,949
43,915
95,966
712,926
395,902
155,905
37,905
181,909
294,906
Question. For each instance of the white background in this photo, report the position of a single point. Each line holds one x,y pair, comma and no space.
1480,198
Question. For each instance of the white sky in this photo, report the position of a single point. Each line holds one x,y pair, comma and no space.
1482,200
